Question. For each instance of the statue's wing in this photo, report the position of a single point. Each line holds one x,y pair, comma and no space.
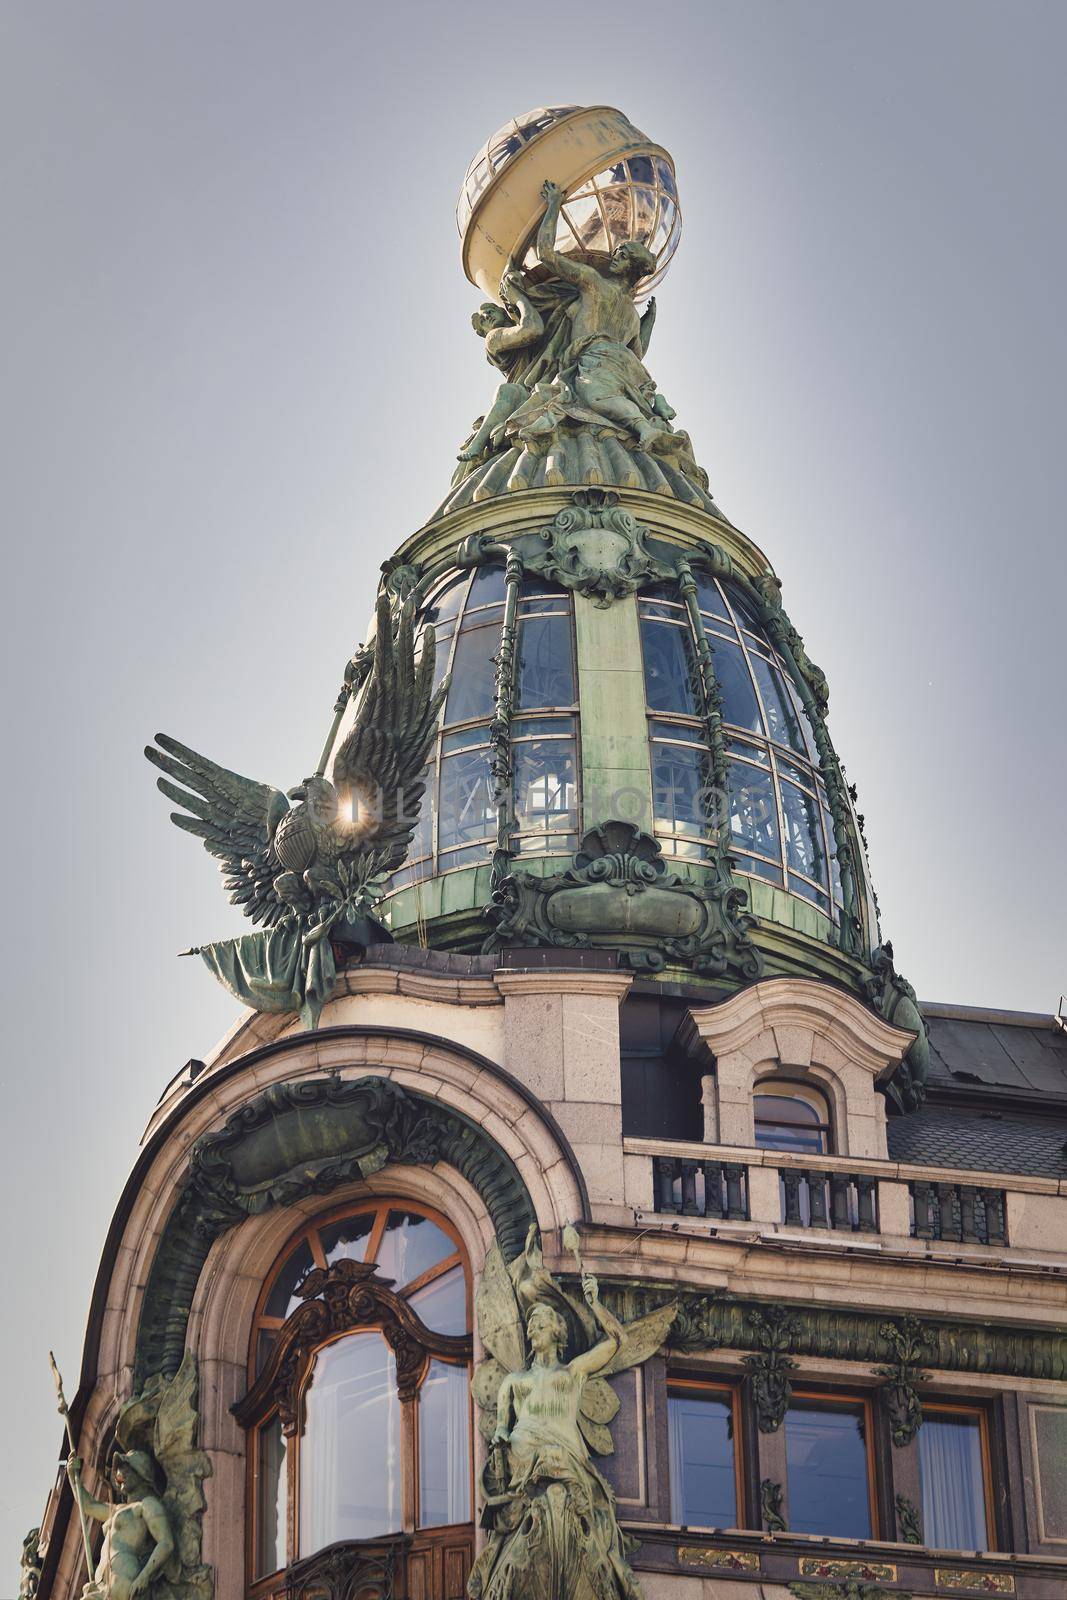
485,1387
381,763
499,1319
235,817
642,1339
185,1466
596,1410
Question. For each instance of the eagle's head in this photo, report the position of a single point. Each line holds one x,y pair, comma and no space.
320,799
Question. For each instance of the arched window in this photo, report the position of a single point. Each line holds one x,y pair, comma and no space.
359,1413
792,1116
780,827
458,821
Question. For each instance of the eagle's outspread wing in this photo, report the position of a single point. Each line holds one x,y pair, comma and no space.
235,817
381,763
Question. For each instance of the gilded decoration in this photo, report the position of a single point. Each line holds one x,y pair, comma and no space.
973,1581
829,1567
718,1560
545,1405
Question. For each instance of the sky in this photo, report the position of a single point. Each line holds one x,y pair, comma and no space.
238,365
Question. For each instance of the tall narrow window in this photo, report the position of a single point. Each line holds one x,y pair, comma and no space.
953,1469
829,1468
703,1463
367,1433
544,729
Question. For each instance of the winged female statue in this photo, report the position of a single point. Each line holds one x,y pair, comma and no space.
310,872
545,1402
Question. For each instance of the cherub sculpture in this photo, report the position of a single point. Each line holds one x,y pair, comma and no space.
311,872
551,1515
151,1542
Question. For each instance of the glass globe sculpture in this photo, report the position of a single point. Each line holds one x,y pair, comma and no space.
618,186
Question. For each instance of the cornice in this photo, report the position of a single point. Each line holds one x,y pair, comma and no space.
782,1003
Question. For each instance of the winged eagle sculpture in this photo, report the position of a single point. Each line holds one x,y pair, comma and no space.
310,871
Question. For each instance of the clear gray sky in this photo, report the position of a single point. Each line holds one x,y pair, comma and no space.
237,365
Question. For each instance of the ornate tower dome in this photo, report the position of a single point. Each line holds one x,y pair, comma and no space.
633,755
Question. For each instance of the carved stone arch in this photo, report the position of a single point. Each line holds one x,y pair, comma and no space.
309,1136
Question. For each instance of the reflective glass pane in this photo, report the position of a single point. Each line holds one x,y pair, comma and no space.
759,869
783,724
679,783
271,1498
488,588
350,1486
804,850
447,601
786,1123
835,870
740,707
441,654
953,1483
410,1246
472,692
670,668
444,1446
743,609
470,856
703,1486
467,809
544,674
826,1457
710,600
546,787
347,1240
442,1303
753,814
283,1298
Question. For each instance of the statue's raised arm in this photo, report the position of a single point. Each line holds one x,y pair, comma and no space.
563,266
606,1349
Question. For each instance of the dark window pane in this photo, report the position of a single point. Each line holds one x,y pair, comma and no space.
679,788
487,589
953,1485
826,1458
271,1498
676,730
744,610
544,670
447,602
670,668
740,707
410,1246
783,723
467,811
442,1303
283,1298
350,1478
753,815
804,850
703,1486
710,600
444,1446
786,1108
473,689
546,786
347,1240
759,869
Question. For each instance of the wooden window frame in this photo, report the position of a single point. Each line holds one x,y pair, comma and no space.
837,1397
443,1348
935,1406
715,1384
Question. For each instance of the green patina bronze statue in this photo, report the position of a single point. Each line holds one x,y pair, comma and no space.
311,872
551,1515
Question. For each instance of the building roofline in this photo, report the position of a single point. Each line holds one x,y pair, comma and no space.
1017,1019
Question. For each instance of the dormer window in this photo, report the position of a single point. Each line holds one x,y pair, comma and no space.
792,1116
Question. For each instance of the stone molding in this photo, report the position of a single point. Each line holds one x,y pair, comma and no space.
802,1007
522,981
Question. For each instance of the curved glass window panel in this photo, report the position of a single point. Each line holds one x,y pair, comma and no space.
283,1298
472,692
410,1246
665,178
679,788
783,724
759,869
953,1482
804,720
710,600
670,668
546,786
544,663
804,850
835,870
272,1486
347,1240
447,601
350,1479
740,707
826,1456
744,610
488,588
753,813
444,1446
442,1303
785,1122
703,1484
467,809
